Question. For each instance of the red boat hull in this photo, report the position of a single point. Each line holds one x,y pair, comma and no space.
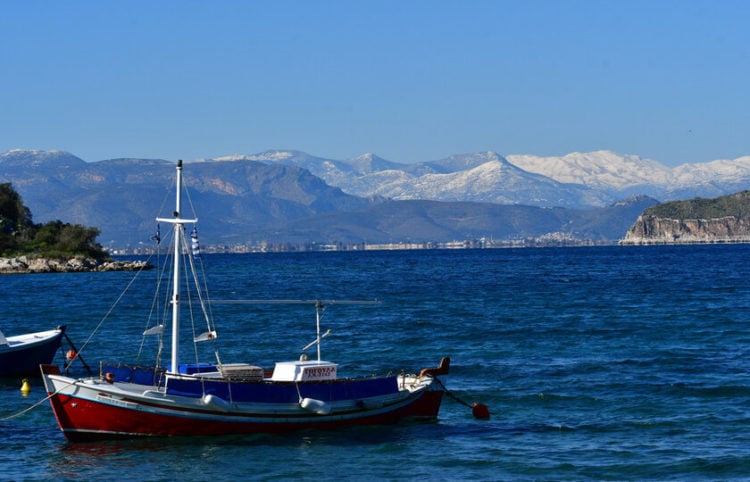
84,420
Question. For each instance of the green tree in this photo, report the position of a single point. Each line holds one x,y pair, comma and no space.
15,218
19,234
14,214
79,239
45,237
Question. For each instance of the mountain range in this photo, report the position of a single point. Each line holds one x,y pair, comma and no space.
293,197
576,180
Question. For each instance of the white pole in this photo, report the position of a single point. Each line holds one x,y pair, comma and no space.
179,231
318,305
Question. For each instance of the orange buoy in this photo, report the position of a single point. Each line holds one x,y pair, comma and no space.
71,355
109,377
480,410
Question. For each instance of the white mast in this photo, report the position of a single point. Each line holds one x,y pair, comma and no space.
318,307
179,232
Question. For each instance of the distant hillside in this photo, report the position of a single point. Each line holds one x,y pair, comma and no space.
725,219
124,196
735,205
423,221
241,200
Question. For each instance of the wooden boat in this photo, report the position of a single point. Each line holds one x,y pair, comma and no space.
21,355
188,399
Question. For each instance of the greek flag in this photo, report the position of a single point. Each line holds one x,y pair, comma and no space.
157,236
194,243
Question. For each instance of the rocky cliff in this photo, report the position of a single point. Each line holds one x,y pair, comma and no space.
720,220
654,230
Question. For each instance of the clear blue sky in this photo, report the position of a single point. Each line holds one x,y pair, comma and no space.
407,80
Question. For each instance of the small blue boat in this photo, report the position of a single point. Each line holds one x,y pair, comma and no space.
21,355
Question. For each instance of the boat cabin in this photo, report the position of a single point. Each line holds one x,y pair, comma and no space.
304,371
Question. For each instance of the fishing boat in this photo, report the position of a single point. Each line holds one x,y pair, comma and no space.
202,399
21,355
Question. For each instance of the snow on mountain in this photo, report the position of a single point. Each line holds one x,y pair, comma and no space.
623,175
479,177
266,156
336,173
389,183
494,181
456,163
368,163
479,183
601,169
30,158
581,180
719,171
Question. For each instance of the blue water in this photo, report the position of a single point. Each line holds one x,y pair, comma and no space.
605,363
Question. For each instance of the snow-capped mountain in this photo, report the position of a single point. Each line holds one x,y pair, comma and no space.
32,158
604,170
577,180
332,171
496,181
720,171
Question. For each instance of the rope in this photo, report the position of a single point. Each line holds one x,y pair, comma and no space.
106,316
28,409
479,410
450,394
32,407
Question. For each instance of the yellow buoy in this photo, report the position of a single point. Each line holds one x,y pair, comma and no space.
25,387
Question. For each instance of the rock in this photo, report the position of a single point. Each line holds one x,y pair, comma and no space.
40,265
123,266
725,219
649,229
23,265
80,264
13,265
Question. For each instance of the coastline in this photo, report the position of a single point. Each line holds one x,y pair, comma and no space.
30,265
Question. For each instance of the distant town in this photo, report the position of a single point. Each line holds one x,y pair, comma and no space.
549,240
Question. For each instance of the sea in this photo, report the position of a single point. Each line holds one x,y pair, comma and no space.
596,363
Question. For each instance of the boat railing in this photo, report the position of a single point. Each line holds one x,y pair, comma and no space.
118,372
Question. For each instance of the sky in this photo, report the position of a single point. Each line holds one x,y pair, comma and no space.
409,81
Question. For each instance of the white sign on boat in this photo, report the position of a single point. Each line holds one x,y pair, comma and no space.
310,370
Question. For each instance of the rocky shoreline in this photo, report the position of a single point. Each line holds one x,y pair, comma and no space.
27,265
650,229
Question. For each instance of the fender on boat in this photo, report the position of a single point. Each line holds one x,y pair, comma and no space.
317,406
216,402
443,369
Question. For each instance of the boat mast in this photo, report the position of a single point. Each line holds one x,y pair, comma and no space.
179,232
318,307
